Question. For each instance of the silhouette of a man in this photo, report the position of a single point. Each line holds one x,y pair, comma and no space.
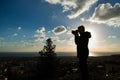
82,40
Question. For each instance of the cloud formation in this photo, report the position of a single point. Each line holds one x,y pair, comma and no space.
40,34
19,28
15,34
112,36
41,30
55,38
59,30
107,14
76,7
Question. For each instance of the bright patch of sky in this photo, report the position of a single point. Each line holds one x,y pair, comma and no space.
26,24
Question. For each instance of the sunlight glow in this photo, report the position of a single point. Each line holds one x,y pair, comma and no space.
93,39
92,54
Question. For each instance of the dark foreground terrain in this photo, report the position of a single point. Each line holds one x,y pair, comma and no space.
58,68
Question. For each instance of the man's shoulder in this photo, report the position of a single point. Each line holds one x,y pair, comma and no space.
87,34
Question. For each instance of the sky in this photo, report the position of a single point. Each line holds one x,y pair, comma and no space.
26,24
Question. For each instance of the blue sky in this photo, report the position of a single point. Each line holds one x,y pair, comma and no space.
26,24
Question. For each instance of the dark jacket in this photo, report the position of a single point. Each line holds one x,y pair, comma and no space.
82,44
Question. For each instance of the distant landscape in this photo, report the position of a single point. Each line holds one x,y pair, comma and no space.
58,68
34,54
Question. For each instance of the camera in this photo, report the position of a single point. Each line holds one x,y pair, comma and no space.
75,32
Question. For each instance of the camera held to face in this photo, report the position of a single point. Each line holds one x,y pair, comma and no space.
75,32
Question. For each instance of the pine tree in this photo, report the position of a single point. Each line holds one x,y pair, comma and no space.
48,49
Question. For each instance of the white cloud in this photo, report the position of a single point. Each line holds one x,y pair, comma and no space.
69,32
107,14
59,30
24,36
112,36
83,19
40,34
19,28
56,38
15,34
41,30
53,1
76,7
39,37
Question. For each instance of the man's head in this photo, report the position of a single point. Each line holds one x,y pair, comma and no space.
81,29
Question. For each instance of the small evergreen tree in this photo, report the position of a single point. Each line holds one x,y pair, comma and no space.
48,49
